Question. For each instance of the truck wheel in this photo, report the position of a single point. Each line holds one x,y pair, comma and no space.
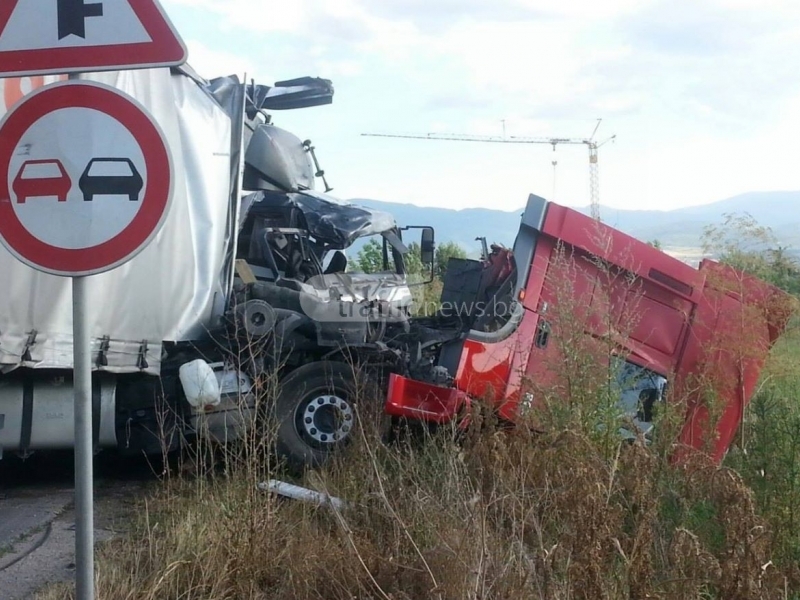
316,414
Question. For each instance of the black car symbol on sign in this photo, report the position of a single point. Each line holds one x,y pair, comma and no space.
110,176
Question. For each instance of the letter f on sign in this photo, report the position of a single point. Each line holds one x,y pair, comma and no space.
72,15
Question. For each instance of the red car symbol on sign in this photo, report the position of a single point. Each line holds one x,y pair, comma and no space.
39,178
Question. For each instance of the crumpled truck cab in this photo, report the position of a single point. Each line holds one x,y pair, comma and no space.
663,325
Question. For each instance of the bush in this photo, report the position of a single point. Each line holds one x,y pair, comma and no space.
768,450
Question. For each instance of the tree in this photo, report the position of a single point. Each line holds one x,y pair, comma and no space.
370,257
784,271
426,295
445,252
656,243
413,260
741,242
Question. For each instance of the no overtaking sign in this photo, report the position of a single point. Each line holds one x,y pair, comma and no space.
85,178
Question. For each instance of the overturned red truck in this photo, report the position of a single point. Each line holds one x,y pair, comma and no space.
703,333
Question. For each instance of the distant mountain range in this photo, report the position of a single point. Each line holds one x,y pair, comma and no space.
675,229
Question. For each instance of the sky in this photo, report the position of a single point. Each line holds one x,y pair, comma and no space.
703,96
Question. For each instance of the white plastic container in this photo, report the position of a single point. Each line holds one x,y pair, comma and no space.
199,383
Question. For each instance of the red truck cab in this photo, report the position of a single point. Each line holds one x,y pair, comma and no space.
580,285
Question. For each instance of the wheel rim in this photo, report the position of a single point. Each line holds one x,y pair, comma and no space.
325,420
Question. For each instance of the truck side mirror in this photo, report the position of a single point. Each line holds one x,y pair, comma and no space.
427,246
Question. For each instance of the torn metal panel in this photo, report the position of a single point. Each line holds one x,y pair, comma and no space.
331,221
302,92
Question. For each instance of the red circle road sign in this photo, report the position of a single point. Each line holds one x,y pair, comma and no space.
85,178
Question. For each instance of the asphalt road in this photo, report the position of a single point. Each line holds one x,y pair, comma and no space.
37,530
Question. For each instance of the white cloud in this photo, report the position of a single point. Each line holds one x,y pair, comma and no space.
210,63
701,94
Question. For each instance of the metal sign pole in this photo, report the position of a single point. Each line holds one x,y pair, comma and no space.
84,492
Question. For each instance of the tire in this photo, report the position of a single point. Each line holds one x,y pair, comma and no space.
315,412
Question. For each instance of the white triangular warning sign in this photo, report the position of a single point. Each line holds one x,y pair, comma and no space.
66,36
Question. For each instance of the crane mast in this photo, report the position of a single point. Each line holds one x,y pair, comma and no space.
594,182
590,143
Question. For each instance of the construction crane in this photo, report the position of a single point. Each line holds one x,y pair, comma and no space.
590,143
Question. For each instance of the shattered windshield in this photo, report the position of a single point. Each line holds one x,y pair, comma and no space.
331,222
639,390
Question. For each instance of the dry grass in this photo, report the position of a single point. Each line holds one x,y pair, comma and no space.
495,515
574,513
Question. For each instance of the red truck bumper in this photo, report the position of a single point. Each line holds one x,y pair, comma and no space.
423,401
